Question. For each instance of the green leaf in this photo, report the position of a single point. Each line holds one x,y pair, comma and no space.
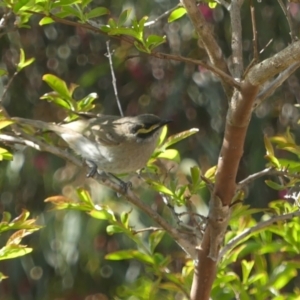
72,11
6,217
163,135
159,187
124,31
274,185
19,4
153,41
5,123
112,23
13,251
130,254
64,3
45,21
3,72
176,14
22,62
155,238
210,173
141,47
282,275
84,196
86,103
125,218
57,85
173,139
102,214
268,146
97,12
195,175
124,17
212,4
142,24
170,154
2,276
57,99
273,160
112,229
246,269
5,154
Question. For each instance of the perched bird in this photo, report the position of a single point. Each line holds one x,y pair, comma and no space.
109,144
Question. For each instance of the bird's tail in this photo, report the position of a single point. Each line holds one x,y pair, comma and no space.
41,125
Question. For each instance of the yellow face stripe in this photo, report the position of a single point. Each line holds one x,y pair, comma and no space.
147,130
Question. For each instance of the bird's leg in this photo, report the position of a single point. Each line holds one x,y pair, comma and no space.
124,185
93,169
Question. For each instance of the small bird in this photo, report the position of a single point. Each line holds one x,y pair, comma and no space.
110,144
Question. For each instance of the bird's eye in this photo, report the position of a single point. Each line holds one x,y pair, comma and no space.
136,128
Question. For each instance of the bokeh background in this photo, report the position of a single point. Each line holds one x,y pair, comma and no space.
68,260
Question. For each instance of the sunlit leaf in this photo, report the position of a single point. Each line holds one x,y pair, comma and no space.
274,185
171,154
130,254
2,276
176,14
46,21
112,229
13,251
22,62
268,146
102,214
57,85
4,123
159,187
173,139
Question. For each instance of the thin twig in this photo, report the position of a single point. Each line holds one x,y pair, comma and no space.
8,86
261,225
271,87
254,32
163,15
267,171
114,81
153,229
266,46
40,146
2,108
222,75
289,20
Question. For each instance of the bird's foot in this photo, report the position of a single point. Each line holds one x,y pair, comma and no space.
125,186
93,169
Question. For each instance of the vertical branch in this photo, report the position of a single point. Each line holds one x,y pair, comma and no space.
254,32
114,81
289,20
236,38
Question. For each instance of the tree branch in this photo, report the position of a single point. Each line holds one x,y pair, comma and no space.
236,38
272,66
271,87
207,40
249,231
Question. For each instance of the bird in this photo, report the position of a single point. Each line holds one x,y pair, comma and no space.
109,144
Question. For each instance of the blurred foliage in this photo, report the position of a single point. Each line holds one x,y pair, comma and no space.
68,261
